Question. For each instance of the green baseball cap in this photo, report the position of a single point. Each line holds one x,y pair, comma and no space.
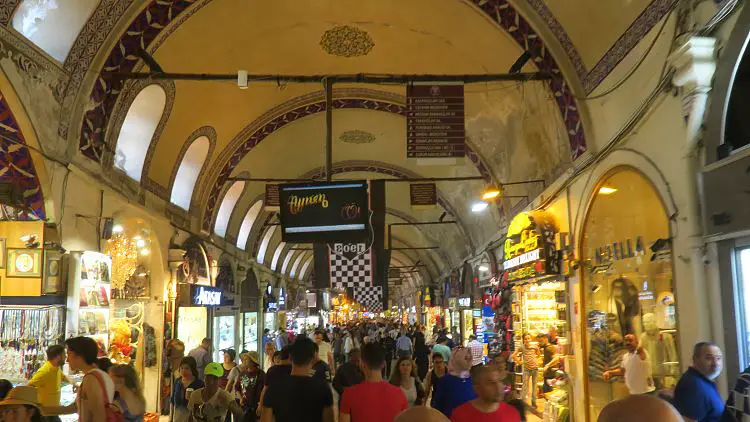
214,369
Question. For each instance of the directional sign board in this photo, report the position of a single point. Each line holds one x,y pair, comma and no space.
435,121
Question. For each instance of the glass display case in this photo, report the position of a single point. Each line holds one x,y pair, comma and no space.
192,323
94,297
250,331
223,335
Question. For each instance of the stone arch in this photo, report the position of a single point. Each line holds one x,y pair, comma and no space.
132,89
19,163
209,133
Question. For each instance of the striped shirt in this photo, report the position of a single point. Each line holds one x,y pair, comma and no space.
530,357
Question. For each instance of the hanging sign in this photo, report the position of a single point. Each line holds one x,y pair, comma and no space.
324,212
205,296
530,249
422,195
435,121
464,302
271,198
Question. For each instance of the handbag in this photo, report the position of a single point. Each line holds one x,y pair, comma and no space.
112,413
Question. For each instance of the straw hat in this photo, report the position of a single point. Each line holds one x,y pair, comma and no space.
21,395
253,356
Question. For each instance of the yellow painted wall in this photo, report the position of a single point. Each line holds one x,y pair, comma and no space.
12,231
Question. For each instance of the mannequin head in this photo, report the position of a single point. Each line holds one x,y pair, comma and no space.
649,323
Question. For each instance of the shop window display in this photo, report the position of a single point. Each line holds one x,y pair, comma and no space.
627,284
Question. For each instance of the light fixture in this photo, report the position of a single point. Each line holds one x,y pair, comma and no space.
606,190
117,228
140,243
484,268
491,192
145,251
479,206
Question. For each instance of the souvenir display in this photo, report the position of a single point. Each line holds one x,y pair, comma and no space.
25,334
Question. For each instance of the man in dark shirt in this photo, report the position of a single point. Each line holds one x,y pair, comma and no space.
277,372
696,396
349,373
321,370
550,360
299,397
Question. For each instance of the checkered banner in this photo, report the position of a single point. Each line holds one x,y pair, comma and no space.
350,265
371,298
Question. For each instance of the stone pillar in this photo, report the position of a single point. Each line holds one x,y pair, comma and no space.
694,64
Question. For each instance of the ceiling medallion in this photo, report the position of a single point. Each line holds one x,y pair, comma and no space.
346,41
357,137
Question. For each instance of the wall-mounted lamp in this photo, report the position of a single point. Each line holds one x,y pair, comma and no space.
479,206
491,192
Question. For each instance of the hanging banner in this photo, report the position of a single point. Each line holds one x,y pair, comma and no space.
435,121
271,199
322,212
422,195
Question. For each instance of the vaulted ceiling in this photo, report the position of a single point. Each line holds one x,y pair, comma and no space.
515,131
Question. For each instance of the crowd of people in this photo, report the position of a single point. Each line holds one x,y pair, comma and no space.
363,372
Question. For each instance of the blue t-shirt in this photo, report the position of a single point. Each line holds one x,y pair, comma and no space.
696,397
452,392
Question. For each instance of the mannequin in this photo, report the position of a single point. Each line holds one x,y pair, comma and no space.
661,348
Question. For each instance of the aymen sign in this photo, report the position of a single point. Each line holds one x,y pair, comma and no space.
206,296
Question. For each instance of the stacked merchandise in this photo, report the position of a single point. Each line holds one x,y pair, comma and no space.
25,335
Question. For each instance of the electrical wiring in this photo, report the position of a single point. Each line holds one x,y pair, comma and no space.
635,67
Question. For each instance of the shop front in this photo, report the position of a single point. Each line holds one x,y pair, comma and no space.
627,285
196,305
535,294
249,306
270,309
226,320
32,301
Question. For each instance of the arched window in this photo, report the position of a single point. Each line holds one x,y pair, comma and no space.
276,255
288,258
305,267
137,130
227,205
264,244
247,224
297,261
187,173
53,25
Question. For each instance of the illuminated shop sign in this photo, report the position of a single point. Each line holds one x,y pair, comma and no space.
324,211
464,302
206,296
282,298
529,249
522,259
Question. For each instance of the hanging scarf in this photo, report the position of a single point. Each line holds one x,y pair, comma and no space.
460,363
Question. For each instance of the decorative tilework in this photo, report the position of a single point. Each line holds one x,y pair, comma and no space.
241,146
123,58
16,164
7,7
521,31
650,16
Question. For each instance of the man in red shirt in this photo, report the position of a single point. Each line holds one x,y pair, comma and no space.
374,400
489,405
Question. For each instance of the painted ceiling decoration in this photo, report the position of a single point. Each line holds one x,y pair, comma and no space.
357,137
158,15
266,125
346,41
649,17
16,164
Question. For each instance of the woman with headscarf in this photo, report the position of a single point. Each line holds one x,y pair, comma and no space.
455,388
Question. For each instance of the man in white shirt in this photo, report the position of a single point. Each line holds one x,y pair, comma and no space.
348,344
635,367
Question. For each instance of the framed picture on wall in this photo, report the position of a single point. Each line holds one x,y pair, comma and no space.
24,263
53,280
